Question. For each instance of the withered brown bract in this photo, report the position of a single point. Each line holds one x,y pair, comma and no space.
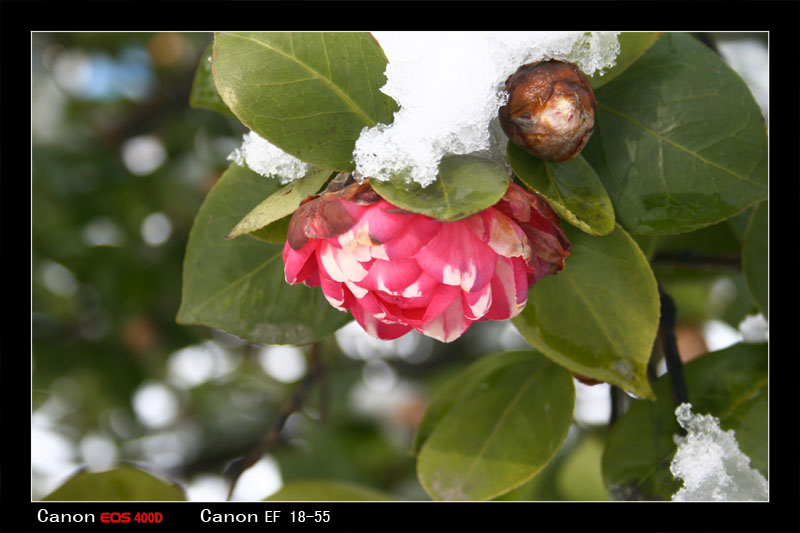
325,216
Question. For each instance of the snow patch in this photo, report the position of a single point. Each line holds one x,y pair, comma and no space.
712,466
266,159
450,86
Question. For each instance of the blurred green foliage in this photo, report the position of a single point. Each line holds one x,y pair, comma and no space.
105,301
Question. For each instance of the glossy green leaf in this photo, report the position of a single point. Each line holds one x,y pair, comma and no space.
238,285
739,223
310,94
572,189
599,316
275,232
632,44
731,384
123,483
465,185
204,93
755,257
501,433
679,141
717,240
459,388
322,490
282,202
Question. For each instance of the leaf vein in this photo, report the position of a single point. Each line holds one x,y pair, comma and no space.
344,96
680,147
499,423
243,278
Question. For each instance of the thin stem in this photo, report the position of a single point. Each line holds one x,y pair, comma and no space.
317,369
619,403
698,260
669,346
237,467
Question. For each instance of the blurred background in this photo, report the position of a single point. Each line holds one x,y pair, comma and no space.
121,164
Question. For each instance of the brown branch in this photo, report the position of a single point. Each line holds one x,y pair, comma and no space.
699,260
237,467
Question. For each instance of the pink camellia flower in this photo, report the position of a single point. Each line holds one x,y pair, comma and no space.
397,271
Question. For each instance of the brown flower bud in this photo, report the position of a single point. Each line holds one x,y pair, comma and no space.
550,110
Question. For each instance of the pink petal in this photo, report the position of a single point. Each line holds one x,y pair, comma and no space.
455,256
410,240
370,304
334,292
321,218
422,287
521,281
541,226
509,289
417,295
358,292
375,327
379,309
399,312
375,226
391,277
443,297
313,279
449,325
339,264
477,304
549,245
505,237
299,264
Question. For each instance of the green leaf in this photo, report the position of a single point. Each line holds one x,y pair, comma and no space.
310,94
459,388
238,285
275,232
731,384
572,189
322,490
632,44
465,185
282,202
738,224
123,483
716,239
501,433
599,316
204,93
679,141
755,257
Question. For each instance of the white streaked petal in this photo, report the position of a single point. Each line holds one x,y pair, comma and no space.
481,305
378,252
329,262
451,276
350,267
361,253
335,303
382,286
468,278
506,288
412,291
358,292
449,325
